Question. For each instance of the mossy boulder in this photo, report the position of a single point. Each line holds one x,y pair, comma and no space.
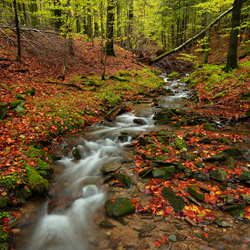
247,113
3,110
36,182
124,179
199,176
217,157
119,207
218,174
244,176
233,152
4,239
164,173
31,91
180,144
15,103
231,163
224,140
175,201
205,140
196,193
76,152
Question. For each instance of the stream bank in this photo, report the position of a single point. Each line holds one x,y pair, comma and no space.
179,156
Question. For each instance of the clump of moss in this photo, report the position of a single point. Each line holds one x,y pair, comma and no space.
35,181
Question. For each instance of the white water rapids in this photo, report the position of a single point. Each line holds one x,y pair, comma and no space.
70,228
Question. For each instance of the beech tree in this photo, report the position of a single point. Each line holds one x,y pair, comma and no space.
233,43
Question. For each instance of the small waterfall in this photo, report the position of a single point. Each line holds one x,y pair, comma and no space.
69,227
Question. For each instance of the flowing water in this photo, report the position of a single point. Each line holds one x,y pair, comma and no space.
67,218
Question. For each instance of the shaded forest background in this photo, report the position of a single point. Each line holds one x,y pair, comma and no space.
147,28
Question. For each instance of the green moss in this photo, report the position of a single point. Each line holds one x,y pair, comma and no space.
180,144
15,103
35,181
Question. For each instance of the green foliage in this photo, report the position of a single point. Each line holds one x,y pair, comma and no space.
4,239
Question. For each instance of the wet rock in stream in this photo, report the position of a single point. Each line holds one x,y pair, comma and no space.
119,207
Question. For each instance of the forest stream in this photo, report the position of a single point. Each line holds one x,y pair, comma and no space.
106,163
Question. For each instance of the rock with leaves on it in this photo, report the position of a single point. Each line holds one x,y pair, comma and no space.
218,174
119,207
244,176
233,152
196,193
175,201
164,173
124,179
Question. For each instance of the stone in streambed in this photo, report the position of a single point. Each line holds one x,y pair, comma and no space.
175,201
164,173
246,198
77,154
233,152
221,222
197,194
124,179
139,121
218,174
106,224
231,163
244,176
119,207
217,157
145,172
199,176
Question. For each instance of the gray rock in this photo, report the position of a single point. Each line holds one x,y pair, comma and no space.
217,157
124,179
119,207
164,173
196,193
221,222
76,154
200,176
218,174
140,121
233,152
175,201
244,176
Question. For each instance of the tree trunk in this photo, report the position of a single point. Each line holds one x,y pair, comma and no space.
17,32
192,38
233,43
57,14
110,28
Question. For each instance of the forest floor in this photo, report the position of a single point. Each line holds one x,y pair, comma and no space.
41,108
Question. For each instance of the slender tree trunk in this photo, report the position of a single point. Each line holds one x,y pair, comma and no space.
233,43
110,28
118,13
17,32
57,14
90,28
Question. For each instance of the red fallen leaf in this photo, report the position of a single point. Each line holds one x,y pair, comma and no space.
158,243
206,235
112,201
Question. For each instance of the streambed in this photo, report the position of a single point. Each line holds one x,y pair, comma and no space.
70,218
